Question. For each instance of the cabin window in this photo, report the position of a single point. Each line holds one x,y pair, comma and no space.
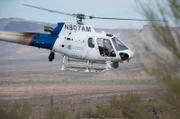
91,42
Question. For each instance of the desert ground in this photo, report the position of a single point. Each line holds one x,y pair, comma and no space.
35,81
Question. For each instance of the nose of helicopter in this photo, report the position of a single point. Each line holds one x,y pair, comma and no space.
126,55
131,54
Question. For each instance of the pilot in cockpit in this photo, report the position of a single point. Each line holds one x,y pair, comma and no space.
108,48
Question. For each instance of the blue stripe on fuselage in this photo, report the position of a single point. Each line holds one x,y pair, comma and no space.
47,41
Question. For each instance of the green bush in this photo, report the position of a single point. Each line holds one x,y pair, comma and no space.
126,106
56,113
130,106
16,111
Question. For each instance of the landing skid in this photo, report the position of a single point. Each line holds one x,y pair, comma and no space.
108,66
84,66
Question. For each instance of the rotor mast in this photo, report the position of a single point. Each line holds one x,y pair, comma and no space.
80,19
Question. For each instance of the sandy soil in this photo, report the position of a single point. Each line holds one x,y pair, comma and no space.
35,82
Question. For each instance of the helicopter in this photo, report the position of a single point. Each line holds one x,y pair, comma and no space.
76,40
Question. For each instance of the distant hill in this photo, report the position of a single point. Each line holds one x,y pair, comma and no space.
22,25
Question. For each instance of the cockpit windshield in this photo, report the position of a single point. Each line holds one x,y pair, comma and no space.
118,44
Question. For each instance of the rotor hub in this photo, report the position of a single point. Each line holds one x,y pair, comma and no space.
80,18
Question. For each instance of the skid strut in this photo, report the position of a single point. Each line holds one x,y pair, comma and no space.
63,63
87,67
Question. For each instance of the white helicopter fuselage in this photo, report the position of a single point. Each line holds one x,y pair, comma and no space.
73,42
76,41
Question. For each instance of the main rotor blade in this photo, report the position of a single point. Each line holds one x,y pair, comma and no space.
83,16
123,19
52,11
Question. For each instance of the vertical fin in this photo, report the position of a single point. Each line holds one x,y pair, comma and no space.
58,29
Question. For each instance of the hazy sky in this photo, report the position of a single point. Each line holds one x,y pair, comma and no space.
105,8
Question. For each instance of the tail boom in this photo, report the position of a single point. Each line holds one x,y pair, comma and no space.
39,40
15,37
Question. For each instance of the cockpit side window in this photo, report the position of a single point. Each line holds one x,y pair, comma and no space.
91,42
118,44
105,47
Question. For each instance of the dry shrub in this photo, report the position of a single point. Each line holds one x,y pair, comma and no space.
55,112
165,65
126,106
